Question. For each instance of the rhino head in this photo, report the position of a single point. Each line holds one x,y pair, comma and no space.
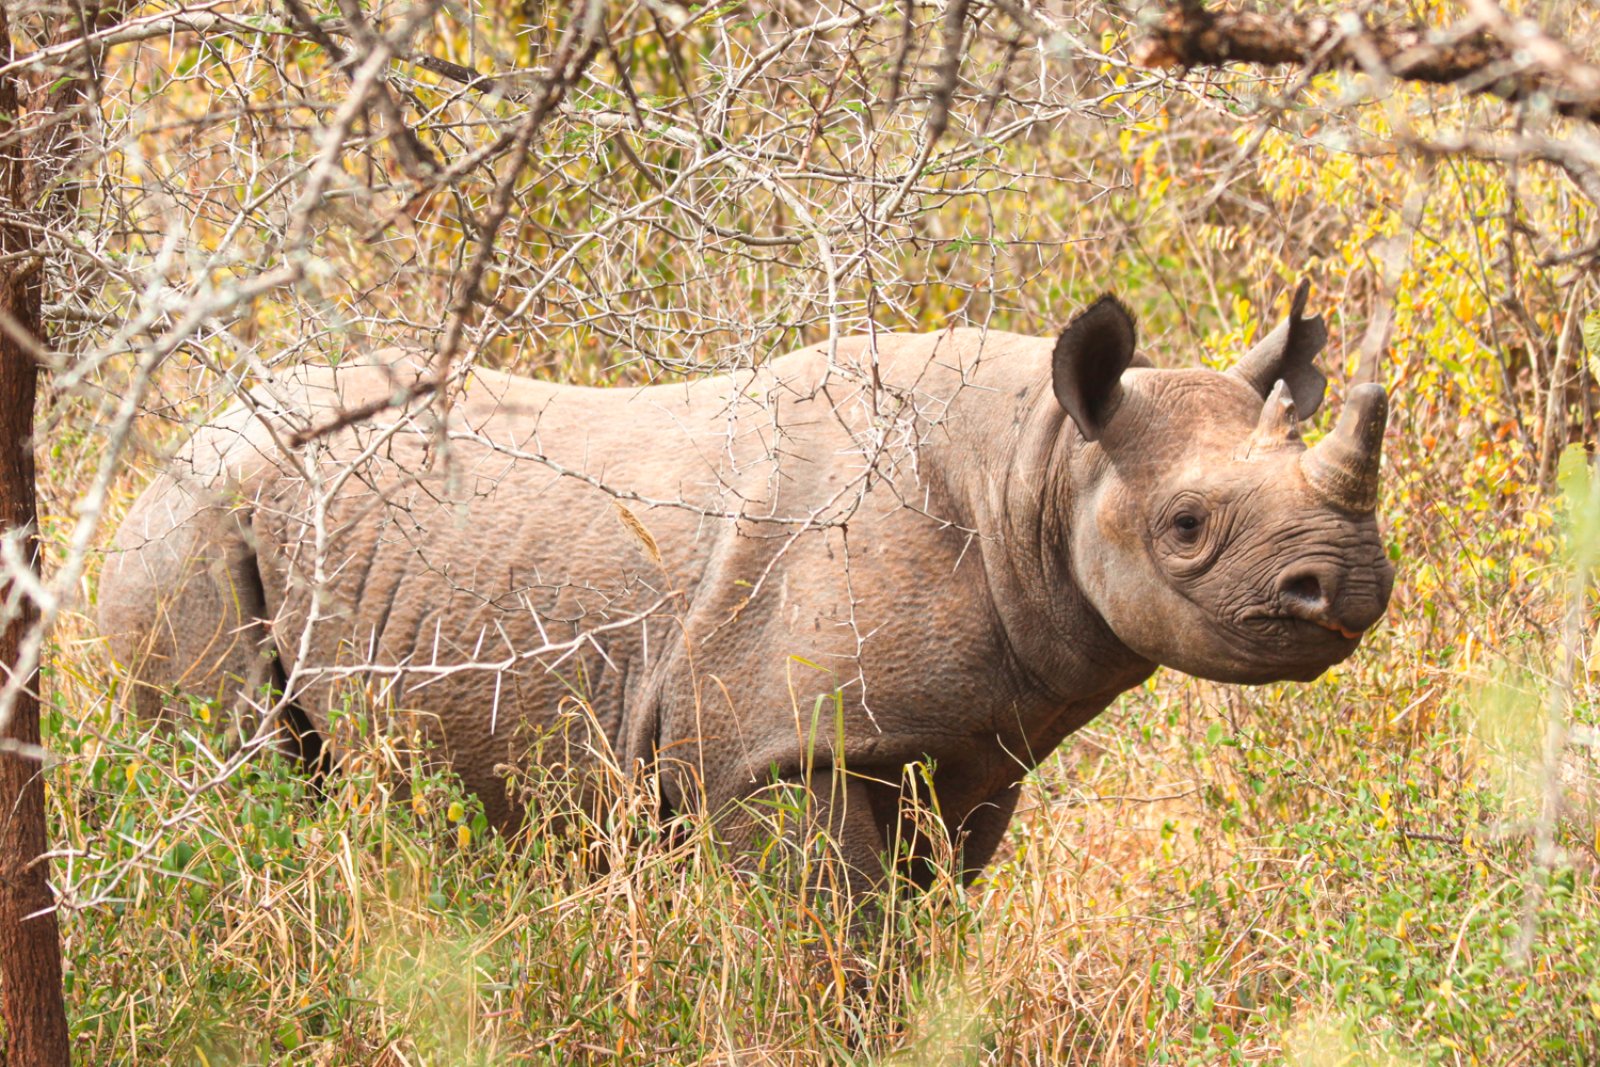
1203,530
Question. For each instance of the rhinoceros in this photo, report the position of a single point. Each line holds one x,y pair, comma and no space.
946,551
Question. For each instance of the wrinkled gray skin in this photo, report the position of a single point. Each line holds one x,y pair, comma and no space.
1068,521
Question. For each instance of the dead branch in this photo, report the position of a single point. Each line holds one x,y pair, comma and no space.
1483,56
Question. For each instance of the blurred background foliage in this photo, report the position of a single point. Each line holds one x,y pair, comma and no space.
1395,864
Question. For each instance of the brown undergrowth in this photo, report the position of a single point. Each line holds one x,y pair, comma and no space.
1205,875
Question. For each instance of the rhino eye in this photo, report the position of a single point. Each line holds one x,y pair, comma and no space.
1188,538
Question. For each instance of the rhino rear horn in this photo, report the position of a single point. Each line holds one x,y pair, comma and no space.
1343,466
1278,427
1090,356
1286,355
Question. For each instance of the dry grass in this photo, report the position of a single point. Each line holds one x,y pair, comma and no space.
1205,875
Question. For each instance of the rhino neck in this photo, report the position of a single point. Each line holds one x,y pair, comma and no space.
1024,512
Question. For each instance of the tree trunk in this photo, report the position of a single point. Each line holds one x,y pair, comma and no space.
30,943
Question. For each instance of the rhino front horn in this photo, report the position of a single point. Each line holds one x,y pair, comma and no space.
1343,467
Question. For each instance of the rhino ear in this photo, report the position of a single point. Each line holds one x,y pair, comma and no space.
1091,354
1286,355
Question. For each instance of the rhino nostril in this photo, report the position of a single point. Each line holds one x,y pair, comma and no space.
1305,593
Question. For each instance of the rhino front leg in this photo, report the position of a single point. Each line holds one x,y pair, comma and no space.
790,818
841,806
979,835
929,846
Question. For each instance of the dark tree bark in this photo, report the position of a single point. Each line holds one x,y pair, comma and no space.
32,160
30,943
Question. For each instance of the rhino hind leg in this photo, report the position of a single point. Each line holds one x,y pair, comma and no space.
299,739
184,614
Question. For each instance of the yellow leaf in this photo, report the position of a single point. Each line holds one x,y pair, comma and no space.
631,523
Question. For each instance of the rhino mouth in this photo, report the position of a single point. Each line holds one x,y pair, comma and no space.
1302,623
1348,635
1310,627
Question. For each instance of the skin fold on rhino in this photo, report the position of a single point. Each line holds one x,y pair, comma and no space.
967,556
